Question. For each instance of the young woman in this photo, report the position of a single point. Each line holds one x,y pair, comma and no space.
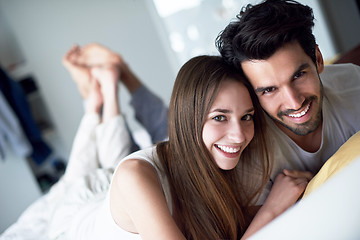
202,182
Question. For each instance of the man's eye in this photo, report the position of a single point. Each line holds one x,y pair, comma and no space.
268,90
219,118
299,74
247,117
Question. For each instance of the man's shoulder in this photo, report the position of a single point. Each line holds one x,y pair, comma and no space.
340,68
341,76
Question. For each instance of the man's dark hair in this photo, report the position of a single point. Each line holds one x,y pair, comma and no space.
260,30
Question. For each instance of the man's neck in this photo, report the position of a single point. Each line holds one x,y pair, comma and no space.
310,142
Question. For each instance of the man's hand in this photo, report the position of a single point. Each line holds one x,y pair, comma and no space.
286,190
298,174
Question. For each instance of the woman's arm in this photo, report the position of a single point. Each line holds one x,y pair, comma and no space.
287,189
138,203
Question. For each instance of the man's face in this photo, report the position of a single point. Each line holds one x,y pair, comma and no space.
289,88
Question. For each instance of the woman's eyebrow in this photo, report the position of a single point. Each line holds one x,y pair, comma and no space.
222,110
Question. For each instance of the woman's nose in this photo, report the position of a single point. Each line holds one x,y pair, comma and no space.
236,132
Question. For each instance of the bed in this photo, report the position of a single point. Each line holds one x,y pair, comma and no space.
330,209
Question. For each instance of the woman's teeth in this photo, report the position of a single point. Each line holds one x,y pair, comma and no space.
229,149
302,113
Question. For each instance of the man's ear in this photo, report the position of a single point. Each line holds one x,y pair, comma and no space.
319,60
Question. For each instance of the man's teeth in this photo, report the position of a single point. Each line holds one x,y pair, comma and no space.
302,113
228,149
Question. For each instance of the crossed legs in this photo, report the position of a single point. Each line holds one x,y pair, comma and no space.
102,138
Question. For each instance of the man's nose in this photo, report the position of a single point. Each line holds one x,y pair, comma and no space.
292,98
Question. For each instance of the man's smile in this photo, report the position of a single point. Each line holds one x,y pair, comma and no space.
302,113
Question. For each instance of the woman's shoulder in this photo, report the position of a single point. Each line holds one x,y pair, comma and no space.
138,163
135,169
134,180
144,157
142,167
147,154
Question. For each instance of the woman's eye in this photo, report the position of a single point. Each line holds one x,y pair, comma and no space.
219,118
248,117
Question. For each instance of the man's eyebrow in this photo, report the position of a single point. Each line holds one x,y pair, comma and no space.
300,68
250,110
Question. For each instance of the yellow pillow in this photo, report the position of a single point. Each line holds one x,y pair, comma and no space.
346,153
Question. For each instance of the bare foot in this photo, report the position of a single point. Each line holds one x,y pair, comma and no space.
79,73
107,78
96,55
95,99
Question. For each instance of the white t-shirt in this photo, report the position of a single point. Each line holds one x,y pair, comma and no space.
341,120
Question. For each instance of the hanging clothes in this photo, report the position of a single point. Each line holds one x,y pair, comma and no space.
17,100
11,132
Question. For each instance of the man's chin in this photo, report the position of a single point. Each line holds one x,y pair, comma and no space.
300,129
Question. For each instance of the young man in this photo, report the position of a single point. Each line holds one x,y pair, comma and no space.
312,109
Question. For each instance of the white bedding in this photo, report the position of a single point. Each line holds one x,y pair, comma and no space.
331,212
33,223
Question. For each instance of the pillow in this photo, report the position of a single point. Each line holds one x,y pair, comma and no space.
349,151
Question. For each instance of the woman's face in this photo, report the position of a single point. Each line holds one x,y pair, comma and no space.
229,125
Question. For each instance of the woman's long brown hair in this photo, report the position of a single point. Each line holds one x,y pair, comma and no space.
209,203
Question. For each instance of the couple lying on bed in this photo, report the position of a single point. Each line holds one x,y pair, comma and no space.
224,158
206,182
200,184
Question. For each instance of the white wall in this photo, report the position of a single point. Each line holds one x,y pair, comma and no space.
45,30
10,53
343,18
321,31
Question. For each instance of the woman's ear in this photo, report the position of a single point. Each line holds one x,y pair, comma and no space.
319,60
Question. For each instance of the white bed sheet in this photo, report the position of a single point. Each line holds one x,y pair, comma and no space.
34,221
330,212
